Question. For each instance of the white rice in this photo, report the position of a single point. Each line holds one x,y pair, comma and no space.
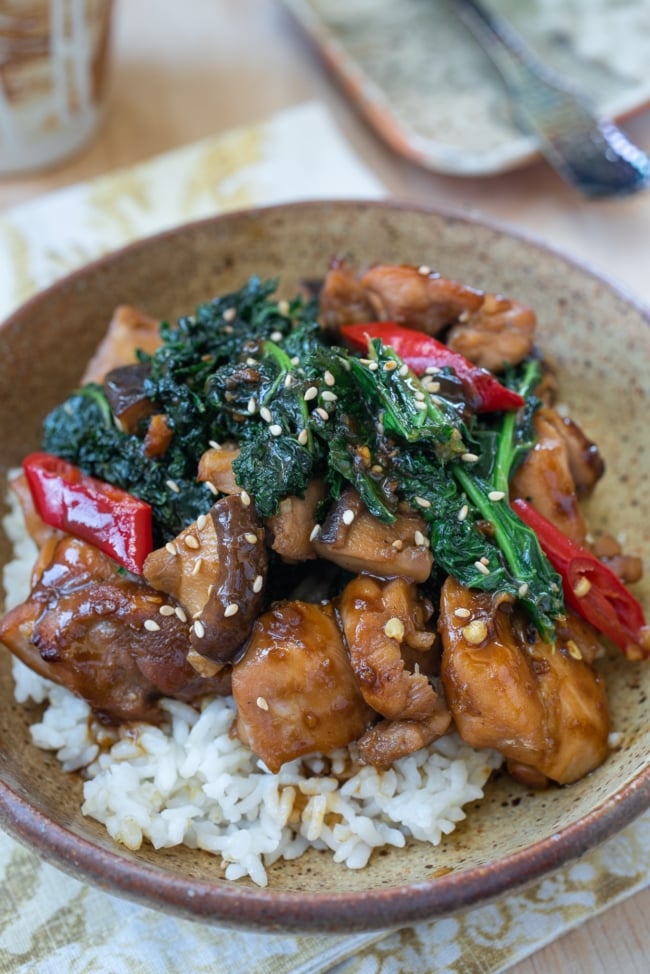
191,782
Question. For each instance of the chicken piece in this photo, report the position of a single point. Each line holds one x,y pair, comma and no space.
417,297
629,568
585,461
343,299
294,688
36,527
128,331
357,541
546,481
292,527
543,707
216,569
215,467
498,333
380,620
108,637
158,437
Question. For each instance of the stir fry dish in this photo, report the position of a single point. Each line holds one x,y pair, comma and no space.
358,512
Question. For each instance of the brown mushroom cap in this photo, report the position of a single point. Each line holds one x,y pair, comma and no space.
216,568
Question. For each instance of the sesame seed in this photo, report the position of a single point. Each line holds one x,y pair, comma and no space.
574,649
214,444
283,307
475,632
310,393
231,610
303,437
201,521
422,502
211,487
424,270
252,405
324,415
166,610
229,314
245,498
373,366
432,370
262,704
288,380
329,396
198,565
420,405
295,360
151,625
390,365
522,590
251,361
431,386
199,629
276,336
462,613
403,370
171,548
397,544
192,542
265,413
469,458
275,429
250,537
315,531
348,516
376,468
419,395
227,329
173,486
329,378
496,495
481,567
581,587
258,583
463,512
419,538
484,560
180,614
394,629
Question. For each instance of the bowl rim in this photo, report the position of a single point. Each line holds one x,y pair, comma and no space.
264,908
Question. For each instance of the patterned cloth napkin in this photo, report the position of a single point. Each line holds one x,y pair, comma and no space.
51,922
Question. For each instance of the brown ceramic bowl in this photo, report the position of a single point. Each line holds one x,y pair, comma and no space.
600,342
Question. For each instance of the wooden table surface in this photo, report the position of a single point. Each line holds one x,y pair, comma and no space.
184,71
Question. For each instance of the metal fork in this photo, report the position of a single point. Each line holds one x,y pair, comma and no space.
591,153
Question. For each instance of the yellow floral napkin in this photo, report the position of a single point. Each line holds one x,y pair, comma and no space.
51,922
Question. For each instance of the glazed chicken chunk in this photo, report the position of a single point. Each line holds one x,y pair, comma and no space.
294,688
543,707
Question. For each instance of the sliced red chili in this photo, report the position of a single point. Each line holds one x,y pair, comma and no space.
591,588
421,352
113,520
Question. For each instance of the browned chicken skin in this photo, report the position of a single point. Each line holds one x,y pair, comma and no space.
294,688
544,708
103,635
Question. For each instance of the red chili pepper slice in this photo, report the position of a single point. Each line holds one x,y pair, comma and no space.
113,520
421,352
590,588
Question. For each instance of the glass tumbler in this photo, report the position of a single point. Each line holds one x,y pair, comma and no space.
53,79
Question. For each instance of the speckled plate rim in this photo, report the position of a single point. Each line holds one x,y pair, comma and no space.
266,909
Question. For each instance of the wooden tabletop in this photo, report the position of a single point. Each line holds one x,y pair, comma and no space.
184,71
